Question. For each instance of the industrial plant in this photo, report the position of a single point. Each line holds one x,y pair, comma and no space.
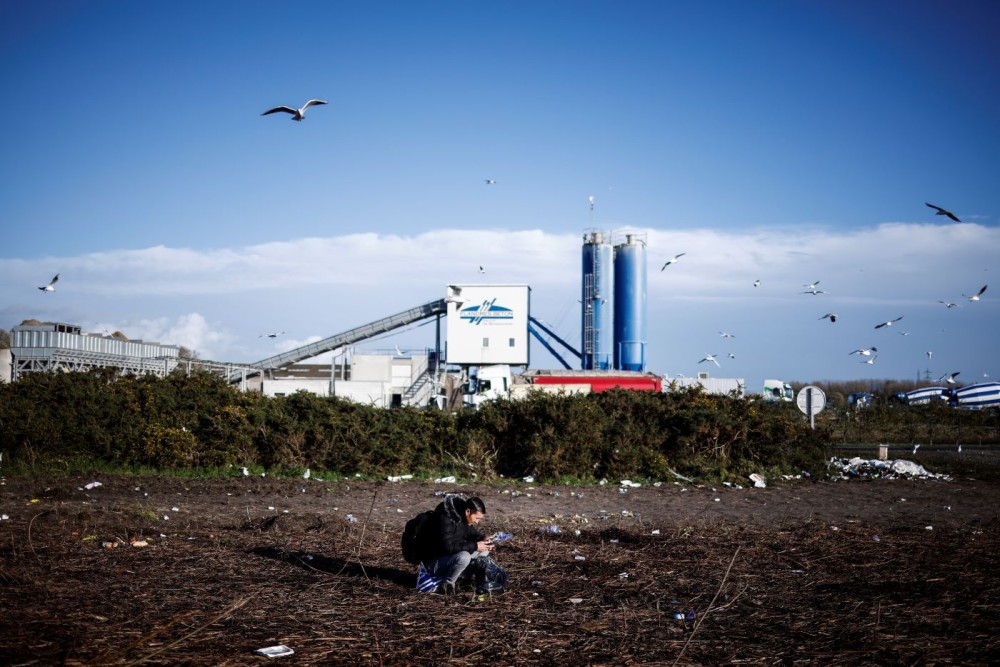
482,354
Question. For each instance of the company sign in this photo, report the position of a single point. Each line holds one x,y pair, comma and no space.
489,312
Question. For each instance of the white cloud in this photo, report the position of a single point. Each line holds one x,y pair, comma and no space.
192,331
219,301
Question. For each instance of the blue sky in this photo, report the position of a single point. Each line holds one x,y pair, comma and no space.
783,141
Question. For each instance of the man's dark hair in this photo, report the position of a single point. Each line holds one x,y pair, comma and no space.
475,503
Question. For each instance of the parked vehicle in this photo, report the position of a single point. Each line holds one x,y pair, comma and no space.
777,390
493,382
722,386
923,395
976,396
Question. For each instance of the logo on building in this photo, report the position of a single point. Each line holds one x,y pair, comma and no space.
488,311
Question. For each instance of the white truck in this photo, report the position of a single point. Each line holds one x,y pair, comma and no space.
710,385
489,383
778,390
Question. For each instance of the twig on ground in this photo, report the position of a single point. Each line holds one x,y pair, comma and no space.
701,617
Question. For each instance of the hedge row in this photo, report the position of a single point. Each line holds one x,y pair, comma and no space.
197,421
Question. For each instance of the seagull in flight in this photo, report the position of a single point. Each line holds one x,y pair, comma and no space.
889,323
273,334
481,269
929,355
454,295
726,334
51,287
949,378
731,355
672,260
710,357
831,316
491,181
813,290
756,283
975,297
865,352
871,361
949,304
297,114
811,286
944,211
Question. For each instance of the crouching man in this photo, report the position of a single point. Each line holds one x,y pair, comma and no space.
453,551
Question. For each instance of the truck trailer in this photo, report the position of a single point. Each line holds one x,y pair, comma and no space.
976,396
710,385
497,381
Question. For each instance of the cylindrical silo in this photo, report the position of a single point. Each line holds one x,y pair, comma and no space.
630,304
597,303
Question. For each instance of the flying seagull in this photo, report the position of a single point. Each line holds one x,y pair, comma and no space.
51,287
949,378
454,295
811,286
491,181
870,362
710,357
889,323
297,114
672,260
481,269
832,317
949,304
756,283
944,211
975,297
726,334
865,352
273,334
929,354
813,290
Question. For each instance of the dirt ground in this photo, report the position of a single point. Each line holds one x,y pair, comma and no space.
801,572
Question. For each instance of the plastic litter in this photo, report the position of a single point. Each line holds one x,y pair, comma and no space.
450,479
500,537
841,468
426,583
92,485
274,651
758,480
398,478
684,616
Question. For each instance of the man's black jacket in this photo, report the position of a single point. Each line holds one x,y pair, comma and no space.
446,532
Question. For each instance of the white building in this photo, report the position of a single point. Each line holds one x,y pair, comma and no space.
382,380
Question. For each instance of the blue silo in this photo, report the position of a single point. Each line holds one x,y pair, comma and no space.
630,304
598,303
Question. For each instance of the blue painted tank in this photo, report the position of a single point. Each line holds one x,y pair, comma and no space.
630,304
597,303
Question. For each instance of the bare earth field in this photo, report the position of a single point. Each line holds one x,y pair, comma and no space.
809,572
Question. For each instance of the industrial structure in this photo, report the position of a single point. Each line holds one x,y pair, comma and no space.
63,348
488,325
613,330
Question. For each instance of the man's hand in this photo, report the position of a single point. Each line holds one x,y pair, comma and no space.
485,545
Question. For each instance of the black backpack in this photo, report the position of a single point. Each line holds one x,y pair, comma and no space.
411,537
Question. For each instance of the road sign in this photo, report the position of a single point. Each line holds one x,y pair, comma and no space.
811,400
